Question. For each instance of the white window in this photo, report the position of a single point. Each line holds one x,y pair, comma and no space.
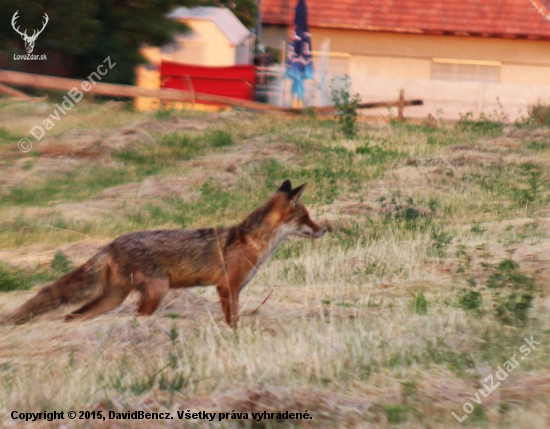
466,70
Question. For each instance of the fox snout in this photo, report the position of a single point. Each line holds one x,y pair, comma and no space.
319,233
311,230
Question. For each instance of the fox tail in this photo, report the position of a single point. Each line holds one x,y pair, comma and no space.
75,286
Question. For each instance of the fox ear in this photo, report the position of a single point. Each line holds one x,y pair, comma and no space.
286,187
296,193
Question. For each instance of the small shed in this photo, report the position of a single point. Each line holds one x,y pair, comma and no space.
216,38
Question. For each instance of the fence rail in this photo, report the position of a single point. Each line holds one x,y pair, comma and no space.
115,90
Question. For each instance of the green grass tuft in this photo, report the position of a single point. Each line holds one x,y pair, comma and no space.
419,304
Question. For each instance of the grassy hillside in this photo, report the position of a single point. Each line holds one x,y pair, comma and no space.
433,273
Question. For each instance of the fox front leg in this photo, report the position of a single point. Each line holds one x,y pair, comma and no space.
230,304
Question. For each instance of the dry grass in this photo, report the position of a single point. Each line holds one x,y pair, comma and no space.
367,327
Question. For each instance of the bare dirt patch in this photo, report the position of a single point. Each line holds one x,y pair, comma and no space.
39,254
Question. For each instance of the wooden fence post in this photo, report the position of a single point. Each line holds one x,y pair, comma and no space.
401,106
190,88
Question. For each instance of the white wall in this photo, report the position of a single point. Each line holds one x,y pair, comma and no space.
448,100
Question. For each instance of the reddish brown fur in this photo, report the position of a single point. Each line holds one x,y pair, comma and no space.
152,262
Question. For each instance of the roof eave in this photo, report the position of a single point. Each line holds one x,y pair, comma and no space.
405,30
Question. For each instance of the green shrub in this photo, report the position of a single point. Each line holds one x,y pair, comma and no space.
219,138
532,174
346,108
396,413
419,304
478,415
162,114
12,279
514,308
539,113
409,388
483,124
61,263
509,291
470,300
507,265
378,154
513,292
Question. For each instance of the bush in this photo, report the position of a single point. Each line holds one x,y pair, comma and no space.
378,154
513,294
419,304
61,263
533,180
514,308
219,138
483,124
508,289
396,414
346,106
539,113
12,279
470,300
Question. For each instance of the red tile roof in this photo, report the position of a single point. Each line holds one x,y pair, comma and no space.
489,18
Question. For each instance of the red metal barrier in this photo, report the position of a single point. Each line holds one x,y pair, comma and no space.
235,81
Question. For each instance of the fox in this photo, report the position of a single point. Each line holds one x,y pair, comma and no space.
153,261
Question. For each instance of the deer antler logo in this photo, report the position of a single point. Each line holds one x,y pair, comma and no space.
29,40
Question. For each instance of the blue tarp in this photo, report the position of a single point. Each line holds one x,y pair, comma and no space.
299,65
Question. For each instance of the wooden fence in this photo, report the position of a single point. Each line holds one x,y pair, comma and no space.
116,90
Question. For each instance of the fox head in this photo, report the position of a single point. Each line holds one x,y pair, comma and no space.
292,215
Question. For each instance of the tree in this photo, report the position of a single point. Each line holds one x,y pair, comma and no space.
85,32
123,27
245,10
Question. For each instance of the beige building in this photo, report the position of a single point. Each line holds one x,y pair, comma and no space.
457,56
216,38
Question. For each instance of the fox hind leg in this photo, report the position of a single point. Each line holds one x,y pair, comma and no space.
115,291
106,302
153,290
86,307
